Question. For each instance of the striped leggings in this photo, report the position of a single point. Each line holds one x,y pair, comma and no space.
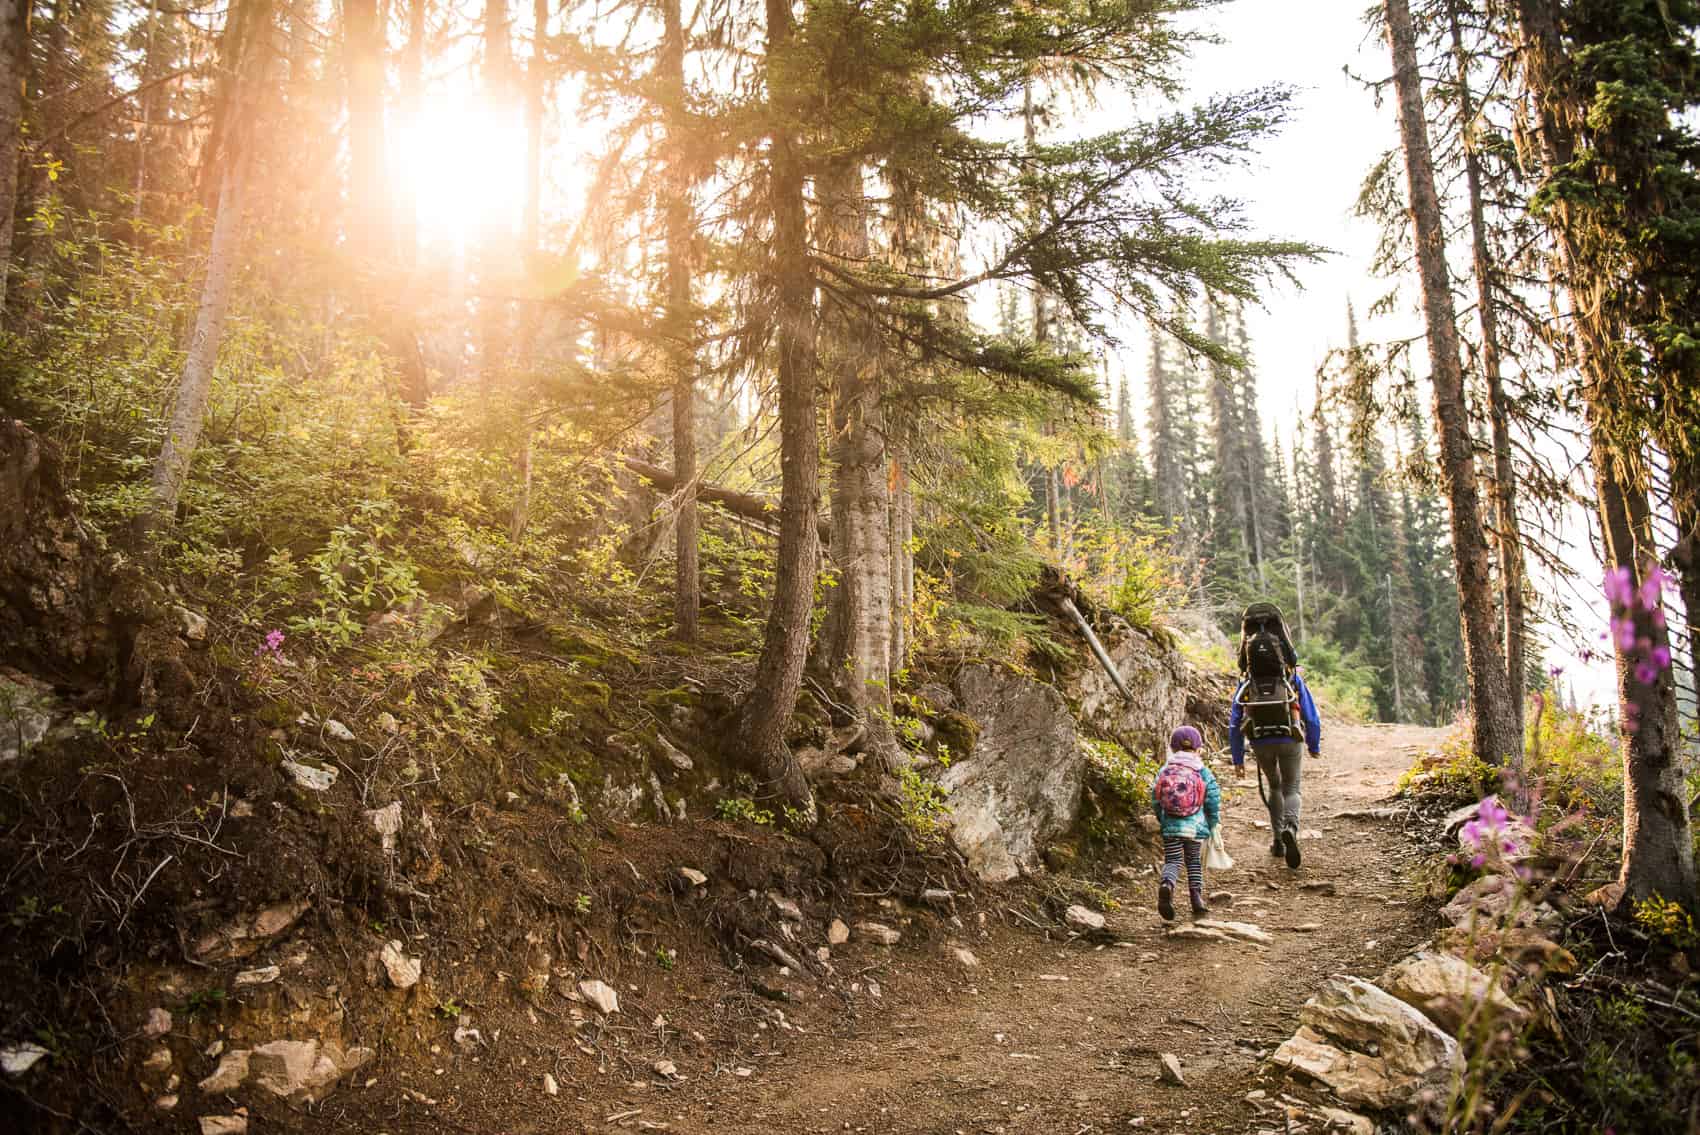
1174,849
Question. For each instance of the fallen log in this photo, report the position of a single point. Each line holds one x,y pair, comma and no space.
747,505
1098,650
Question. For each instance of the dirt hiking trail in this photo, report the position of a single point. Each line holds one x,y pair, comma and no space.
1065,1038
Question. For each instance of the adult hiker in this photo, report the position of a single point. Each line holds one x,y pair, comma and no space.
1273,710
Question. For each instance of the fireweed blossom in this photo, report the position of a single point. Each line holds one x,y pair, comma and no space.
1493,831
272,646
1629,604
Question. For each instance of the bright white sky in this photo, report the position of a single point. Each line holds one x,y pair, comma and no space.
1303,184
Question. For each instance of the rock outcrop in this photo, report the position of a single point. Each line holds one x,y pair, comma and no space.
56,613
1153,671
1367,1046
1021,785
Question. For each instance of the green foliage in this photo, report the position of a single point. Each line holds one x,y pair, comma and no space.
924,806
1455,773
1667,923
1569,754
741,809
205,1002
1346,688
1129,777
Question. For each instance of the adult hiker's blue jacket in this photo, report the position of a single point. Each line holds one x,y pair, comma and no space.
1307,710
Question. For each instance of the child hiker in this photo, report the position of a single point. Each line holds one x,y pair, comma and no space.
1189,809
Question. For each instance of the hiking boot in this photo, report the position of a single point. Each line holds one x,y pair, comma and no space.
1199,910
1290,847
1277,849
1166,902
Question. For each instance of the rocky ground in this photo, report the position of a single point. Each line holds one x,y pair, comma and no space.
1054,1036
1009,1026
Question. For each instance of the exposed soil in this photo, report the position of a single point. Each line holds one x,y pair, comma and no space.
1008,1048
1045,1035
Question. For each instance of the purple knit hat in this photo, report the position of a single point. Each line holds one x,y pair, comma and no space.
1186,738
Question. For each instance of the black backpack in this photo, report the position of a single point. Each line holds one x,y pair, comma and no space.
1271,708
1267,658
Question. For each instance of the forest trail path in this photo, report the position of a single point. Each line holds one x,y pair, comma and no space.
1014,1049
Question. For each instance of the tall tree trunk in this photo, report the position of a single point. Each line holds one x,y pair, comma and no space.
411,77
531,246
767,709
687,587
1508,532
1658,838
1497,739
859,660
368,178
1685,557
1658,843
495,245
902,555
14,67
248,50
372,228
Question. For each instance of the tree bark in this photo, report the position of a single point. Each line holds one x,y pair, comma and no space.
531,245
1508,532
249,48
1658,844
1658,838
859,656
1495,729
14,66
687,587
902,556
767,709
495,245
1685,557
369,212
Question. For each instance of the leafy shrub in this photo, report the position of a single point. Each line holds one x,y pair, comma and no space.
1129,777
923,805
741,809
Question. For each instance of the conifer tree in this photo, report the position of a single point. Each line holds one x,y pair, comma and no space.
1613,86
1494,718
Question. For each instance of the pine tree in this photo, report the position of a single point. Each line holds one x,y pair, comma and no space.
1613,87
1494,717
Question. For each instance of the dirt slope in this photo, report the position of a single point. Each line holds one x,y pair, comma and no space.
1015,1048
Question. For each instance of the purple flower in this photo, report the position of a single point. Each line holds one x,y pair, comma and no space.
1661,656
271,647
1651,589
1554,671
1624,629
1620,586
1477,860
1646,673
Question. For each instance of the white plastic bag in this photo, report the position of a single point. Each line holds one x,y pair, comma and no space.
1216,855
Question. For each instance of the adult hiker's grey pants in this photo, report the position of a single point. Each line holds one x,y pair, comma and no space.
1282,769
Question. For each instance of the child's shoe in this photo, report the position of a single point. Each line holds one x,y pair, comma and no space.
1166,902
1199,910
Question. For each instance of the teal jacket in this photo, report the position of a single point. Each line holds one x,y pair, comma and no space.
1207,819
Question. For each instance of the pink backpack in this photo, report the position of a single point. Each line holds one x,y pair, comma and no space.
1180,790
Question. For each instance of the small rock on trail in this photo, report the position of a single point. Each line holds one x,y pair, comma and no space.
1083,921
601,995
879,932
1169,1069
